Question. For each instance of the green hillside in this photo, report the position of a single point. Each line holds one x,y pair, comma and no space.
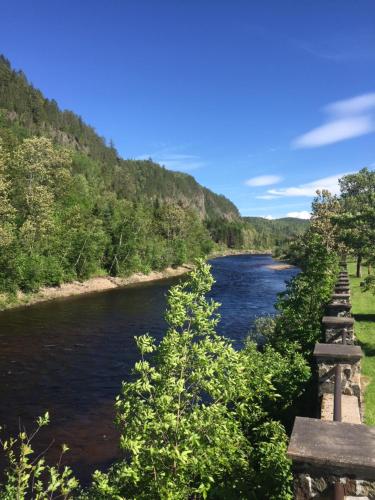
71,208
270,234
26,112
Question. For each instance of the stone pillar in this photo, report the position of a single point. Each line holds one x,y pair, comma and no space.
327,356
324,453
339,308
341,297
343,281
342,289
334,326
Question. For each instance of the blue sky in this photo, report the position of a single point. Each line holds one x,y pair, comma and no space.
263,101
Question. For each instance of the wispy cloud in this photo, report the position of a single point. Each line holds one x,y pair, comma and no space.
349,118
303,214
175,161
335,131
339,47
266,197
263,180
309,189
359,104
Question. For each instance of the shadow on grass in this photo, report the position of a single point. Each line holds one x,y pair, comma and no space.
364,317
368,349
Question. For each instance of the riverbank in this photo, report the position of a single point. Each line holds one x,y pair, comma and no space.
280,267
92,285
103,283
363,310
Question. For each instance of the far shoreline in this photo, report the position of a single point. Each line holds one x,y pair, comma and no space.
103,283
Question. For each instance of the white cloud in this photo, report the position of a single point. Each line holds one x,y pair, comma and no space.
309,189
359,104
303,214
349,118
268,217
335,131
266,197
263,180
175,161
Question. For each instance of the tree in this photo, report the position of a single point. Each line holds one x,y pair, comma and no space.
323,211
357,219
193,421
7,211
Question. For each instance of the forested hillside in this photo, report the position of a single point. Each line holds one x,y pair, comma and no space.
275,233
28,113
71,208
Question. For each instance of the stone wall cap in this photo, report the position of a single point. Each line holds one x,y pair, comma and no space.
334,445
342,296
336,304
337,321
338,351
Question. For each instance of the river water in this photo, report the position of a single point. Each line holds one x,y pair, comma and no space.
69,356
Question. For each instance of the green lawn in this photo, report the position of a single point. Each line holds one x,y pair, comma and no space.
364,313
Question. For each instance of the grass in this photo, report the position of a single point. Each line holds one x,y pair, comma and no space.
364,313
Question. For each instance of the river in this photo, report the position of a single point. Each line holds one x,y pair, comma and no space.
69,356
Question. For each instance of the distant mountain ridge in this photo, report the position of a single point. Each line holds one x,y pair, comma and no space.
26,110
275,232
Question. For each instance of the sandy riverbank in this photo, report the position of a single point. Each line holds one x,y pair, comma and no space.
102,283
280,267
92,285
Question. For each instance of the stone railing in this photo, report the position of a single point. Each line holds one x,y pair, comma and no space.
334,457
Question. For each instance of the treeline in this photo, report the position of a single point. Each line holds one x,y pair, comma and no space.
58,226
346,221
275,234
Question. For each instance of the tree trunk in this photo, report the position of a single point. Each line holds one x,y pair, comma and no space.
359,260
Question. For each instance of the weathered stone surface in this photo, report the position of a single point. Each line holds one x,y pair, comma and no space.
335,326
320,487
348,356
342,289
338,352
335,336
339,308
341,297
337,322
349,409
338,448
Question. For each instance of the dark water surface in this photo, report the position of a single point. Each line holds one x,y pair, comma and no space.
70,355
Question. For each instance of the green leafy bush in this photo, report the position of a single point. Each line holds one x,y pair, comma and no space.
194,421
28,476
